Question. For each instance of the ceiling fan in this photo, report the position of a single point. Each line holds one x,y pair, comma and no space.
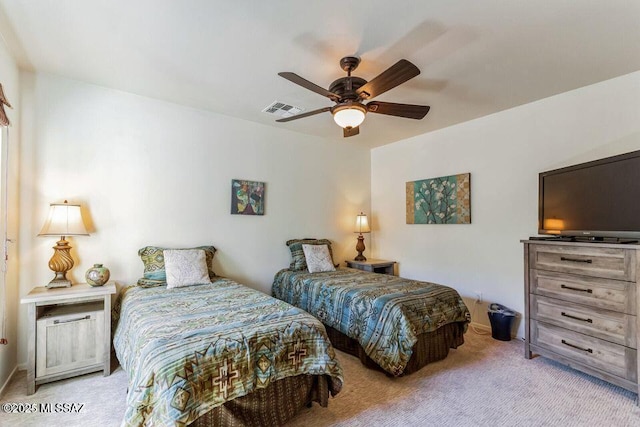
349,92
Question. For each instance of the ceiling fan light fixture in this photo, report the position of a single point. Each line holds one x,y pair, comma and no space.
349,92
349,115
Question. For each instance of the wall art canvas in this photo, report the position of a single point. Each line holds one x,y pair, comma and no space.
247,197
443,200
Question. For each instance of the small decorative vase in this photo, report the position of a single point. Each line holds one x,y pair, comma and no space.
97,275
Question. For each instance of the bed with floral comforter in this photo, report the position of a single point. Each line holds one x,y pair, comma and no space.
386,315
189,350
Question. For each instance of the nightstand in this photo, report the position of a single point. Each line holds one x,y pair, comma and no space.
374,265
69,332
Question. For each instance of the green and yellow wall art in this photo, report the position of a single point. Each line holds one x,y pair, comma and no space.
443,200
247,197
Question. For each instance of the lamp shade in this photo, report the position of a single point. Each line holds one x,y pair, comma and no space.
64,220
349,116
362,224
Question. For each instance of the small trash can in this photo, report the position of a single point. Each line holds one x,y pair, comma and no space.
501,319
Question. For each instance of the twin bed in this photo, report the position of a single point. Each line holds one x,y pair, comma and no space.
221,353
390,323
191,352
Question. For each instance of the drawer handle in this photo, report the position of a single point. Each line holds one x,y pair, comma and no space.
588,261
577,318
589,291
587,350
87,317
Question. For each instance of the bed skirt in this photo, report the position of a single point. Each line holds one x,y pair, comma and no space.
271,406
431,346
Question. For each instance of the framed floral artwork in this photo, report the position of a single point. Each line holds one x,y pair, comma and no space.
442,200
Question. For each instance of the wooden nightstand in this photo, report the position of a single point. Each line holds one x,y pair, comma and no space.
374,265
69,332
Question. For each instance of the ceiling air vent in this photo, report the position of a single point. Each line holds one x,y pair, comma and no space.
281,109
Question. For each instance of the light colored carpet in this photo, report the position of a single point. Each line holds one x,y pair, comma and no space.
484,382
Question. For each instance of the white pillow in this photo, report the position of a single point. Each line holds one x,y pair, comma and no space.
185,267
318,258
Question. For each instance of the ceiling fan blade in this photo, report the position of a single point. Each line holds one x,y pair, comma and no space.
293,77
307,114
395,75
347,132
409,111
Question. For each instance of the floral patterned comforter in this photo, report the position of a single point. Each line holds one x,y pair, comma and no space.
188,350
384,313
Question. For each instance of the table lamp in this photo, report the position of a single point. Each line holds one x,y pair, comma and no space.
64,220
362,226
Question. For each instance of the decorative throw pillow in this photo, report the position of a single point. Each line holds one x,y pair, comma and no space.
154,268
150,283
318,258
298,262
185,267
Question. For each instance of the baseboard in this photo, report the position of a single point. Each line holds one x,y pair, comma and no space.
6,383
480,326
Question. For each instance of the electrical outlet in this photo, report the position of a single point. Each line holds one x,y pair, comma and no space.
478,295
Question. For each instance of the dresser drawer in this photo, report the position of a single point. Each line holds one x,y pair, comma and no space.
608,325
594,261
608,357
607,294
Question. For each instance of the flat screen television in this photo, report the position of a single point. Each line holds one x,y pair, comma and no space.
595,200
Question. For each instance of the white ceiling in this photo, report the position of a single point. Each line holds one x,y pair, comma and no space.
476,57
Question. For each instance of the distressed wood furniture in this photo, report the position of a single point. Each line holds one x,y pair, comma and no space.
581,307
374,265
69,332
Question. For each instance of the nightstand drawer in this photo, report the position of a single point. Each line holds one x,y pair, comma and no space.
608,325
607,294
594,261
608,357
68,338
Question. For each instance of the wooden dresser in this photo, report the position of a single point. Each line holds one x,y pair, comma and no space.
581,306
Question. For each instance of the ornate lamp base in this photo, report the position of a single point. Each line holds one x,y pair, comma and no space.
60,263
360,248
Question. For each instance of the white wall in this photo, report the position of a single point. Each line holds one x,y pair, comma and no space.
504,153
155,173
9,77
